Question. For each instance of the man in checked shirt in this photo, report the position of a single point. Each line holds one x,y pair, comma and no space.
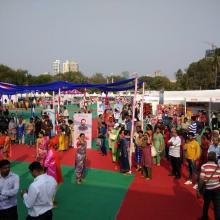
9,186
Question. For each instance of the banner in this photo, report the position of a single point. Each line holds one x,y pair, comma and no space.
83,124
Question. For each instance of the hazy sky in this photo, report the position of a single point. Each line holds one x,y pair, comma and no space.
107,35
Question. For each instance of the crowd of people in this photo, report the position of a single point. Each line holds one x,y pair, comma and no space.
176,139
181,140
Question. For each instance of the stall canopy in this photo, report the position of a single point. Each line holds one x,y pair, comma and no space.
121,85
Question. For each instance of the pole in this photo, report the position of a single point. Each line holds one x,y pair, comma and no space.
84,100
58,107
132,125
185,106
53,99
142,108
210,112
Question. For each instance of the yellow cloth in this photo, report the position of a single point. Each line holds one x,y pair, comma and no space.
62,142
192,150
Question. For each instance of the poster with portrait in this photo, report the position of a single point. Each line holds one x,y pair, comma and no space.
83,124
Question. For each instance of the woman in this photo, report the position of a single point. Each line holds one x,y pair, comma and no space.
41,148
5,145
80,163
52,163
204,149
20,131
208,132
123,146
102,136
64,136
149,131
71,136
12,130
146,159
166,135
158,141
113,137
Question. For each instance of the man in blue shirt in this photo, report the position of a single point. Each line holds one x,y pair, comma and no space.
215,147
9,186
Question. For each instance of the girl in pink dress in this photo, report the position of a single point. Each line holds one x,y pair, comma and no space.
41,148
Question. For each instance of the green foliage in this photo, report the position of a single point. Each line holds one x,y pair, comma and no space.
203,74
157,83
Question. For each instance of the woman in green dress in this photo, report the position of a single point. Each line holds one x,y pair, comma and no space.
158,141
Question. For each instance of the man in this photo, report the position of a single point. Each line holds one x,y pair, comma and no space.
46,125
215,147
193,127
30,132
9,185
193,152
83,126
128,123
39,197
174,153
65,113
210,173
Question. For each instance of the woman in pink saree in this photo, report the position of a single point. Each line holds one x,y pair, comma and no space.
52,163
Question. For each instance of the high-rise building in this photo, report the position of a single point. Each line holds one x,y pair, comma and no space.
56,67
70,66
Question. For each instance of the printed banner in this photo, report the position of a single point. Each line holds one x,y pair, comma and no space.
83,124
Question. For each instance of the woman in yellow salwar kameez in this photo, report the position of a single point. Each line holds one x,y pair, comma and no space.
63,137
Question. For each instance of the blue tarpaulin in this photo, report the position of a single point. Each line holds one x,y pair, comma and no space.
9,89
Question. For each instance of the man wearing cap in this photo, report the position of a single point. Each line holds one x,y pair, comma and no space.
9,186
193,152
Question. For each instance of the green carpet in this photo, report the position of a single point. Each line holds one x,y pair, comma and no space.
99,197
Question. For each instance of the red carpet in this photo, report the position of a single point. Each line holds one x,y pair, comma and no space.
161,198
94,157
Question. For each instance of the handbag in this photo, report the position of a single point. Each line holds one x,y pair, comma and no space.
98,142
153,151
202,183
113,137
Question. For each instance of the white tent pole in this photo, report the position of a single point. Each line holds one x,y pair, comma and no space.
142,108
210,112
185,106
58,107
132,126
53,100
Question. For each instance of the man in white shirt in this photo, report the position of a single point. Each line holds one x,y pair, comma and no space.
9,185
174,153
39,197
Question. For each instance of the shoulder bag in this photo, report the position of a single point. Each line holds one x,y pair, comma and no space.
202,183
